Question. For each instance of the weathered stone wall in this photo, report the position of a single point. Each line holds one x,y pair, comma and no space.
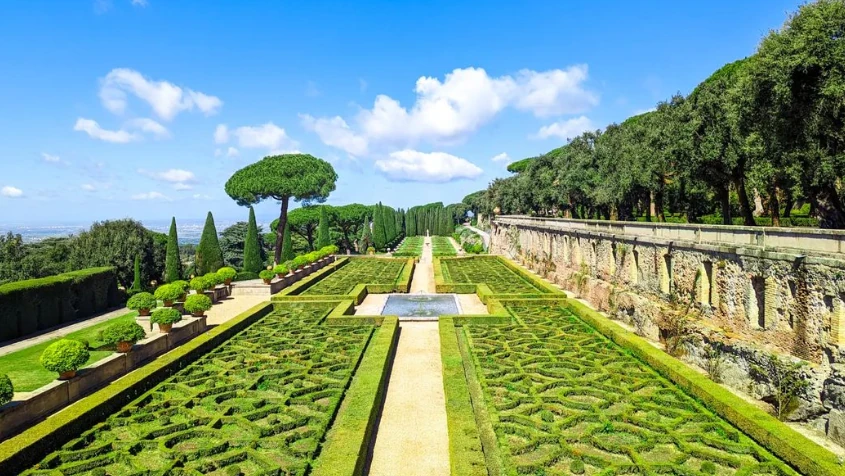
753,299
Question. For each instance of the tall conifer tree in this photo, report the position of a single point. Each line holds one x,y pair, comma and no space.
172,262
209,255
323,236
252,247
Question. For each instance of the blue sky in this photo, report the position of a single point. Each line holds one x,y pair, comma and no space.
144,108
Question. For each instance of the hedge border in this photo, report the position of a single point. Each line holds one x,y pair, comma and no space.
26,449
466,456
347,444
308,281
784,442
442,284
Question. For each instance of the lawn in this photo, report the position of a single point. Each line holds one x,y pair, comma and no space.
486,270
25,370
411,247
358,271
441,246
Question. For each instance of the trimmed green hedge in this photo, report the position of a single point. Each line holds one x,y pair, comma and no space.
806,456
466,456
28,448
347,446
37,304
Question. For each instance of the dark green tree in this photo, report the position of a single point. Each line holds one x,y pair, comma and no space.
287,245
378,229
347,222
300,177
173,263
366,236
253,261
137,287
323,236
117,243
209,254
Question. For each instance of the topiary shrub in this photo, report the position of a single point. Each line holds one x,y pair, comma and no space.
169,294
181,284
281,270
123,335
65,357
199,284
142,302
227,275
165,318
246,276
7,391
291,266
267,275
197,304
300,261
212,279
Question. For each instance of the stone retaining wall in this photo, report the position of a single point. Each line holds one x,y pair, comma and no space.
756,291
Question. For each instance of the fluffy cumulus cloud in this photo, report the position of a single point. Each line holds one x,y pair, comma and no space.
151,196
166,99
181,179
566,129
11,192
438,167
149,126
503,157
447,111
93,129
266,136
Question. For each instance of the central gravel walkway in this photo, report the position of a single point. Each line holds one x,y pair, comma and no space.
412,437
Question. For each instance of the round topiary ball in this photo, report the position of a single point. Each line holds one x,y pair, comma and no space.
65,355
141,301
7,391
123,332
197,303
166,315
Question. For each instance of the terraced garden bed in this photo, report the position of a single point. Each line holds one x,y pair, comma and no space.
563,399
487,270
441,246
358,271
260,403
412,247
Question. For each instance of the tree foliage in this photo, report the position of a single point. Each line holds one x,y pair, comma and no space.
209,255
117,243
253,261
173,263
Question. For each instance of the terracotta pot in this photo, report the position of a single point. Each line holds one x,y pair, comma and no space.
267,281
67,375
184,296
143,312
227,282
124,347
165,328
168,303
280,275
198,313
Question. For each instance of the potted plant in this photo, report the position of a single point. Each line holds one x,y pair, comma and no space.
123,335
143,303
291,266
371,251
183,285
7,391
165,318
227,274
168,293
267,275
212,280
280,270
199,284
197,304
65,356
300,261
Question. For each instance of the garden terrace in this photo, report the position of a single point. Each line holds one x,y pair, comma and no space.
412,246
441,246
262,400
463,275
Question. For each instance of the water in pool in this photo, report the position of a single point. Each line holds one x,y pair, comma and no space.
420,305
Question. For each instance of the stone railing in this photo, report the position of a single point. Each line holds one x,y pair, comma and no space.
811,240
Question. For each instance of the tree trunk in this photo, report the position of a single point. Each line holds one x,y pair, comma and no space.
829,208
661,215
651,206
774,206
788,203
280,230
744,203
725,199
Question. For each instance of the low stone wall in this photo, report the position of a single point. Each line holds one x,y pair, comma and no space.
755,291
257,287
34,406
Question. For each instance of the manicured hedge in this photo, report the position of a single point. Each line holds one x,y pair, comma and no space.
347,445
37,304
806,456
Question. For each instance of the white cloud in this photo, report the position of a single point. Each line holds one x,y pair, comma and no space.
265,136
335,132
199,196
140,3
53,159
503,157
182,187
414,166
447,111
166,99
221,134
568,129
150,126
150,196
11,192
94,130
232,152
88,187
171,175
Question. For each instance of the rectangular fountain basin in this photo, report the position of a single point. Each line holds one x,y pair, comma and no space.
420,307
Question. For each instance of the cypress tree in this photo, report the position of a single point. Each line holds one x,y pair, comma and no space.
366,236
209,255
378,228
252,248
172,262
287,245
136,282
323,237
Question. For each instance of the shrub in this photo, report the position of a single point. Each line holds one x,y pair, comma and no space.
576,466
246,276
267,275
65,355
300,260
226,274
708,467
199,284
371,250
197,303
312,256
329,250
290,265
181,284
141,301
281,270
166,315
786,381
123,332
7,391
169,292
212,279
